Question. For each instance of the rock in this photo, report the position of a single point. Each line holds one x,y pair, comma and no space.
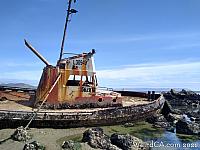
128,142
113,147
177,111
167,108
69,145
186,127
174,117
182,98
158,120
21,134
96,138
173,92
128,124
197,120
192,119
34,146
171,129
187,92
165,125
195,114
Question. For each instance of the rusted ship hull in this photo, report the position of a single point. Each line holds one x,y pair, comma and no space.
81,117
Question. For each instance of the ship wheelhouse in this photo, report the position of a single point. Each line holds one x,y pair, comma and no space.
76,85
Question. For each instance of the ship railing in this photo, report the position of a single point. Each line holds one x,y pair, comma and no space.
105,89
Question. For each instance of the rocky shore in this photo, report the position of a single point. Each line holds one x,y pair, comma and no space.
181,112
184,101
179,115
119,137
96,138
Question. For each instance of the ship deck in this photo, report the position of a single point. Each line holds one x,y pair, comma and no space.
25,105
18,113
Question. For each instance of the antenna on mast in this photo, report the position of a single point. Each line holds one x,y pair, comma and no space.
69,13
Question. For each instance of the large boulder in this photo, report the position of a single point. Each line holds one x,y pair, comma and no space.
34,146
158,120
128,142
96,138
184,126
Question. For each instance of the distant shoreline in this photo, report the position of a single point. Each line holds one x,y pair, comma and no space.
157,90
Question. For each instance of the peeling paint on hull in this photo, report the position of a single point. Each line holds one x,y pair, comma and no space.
79,118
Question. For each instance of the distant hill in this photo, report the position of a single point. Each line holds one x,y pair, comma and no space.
21,85
158,90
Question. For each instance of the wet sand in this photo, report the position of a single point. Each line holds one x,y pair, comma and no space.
52,139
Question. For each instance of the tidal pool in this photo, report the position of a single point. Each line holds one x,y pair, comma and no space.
158,138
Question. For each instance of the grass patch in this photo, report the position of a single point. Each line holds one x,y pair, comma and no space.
142,130
188,138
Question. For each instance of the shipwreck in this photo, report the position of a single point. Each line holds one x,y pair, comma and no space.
68,95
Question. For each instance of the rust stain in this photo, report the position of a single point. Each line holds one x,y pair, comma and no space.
77,84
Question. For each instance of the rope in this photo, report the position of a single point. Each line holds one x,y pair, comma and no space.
43,101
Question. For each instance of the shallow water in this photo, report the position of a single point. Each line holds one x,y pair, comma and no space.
171,141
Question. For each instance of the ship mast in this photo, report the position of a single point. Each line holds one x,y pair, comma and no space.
69,13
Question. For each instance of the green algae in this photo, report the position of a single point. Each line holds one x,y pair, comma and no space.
188,138
76,138
142,130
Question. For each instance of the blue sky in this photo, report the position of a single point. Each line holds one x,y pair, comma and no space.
139,43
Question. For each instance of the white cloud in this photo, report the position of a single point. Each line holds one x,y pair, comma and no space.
21,75
135,38
14,64
181,46
153,75
181,74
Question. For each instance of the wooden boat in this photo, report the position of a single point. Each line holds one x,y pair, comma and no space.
136,106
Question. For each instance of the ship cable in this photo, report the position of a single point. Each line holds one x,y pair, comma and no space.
38,109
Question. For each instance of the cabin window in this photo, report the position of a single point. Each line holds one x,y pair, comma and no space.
71,77
62,66
86,80
74,80
78,77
